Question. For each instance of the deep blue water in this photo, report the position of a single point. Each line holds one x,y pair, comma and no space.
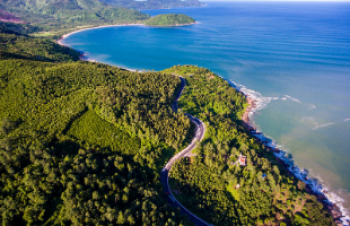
292,57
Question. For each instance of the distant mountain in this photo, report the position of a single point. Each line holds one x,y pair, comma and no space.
49,7
56,17
53,18
62,8
153,4
8,17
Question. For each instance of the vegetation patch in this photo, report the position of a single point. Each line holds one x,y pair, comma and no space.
233,189
169,20
96,132
160,4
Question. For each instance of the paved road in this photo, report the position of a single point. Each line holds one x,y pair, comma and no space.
199,134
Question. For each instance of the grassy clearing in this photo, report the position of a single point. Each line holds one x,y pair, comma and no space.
91,129
234,192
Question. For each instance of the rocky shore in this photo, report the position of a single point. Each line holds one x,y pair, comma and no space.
333,209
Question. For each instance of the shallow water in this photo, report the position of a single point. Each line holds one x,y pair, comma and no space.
293,57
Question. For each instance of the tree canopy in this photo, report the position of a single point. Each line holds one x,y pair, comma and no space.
169,20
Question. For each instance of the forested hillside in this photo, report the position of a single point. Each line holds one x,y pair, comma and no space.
17,46
52,18
83,143
214,185
153,4
169,20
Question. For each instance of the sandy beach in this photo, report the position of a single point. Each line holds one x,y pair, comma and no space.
116,25
249,110
88,28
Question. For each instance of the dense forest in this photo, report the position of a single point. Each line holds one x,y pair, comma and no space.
214,185
169,20
153,4
83,143
17,46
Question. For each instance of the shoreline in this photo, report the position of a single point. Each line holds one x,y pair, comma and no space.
322,193
59,41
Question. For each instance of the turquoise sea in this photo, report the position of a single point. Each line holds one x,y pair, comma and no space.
294,58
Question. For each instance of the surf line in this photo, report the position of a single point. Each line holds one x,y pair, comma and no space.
331,201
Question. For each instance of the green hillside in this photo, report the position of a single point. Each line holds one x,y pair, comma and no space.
83,143
153,4
17,46
53,18
169,20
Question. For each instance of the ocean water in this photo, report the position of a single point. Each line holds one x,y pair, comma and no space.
294,58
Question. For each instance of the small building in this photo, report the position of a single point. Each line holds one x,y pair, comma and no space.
242,160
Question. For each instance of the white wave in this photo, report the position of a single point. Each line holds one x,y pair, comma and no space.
291,98
261,101
309,106
323,125
313,124
347,119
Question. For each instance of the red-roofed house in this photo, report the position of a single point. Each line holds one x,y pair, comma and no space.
242,160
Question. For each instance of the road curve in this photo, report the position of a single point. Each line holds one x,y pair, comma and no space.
199,134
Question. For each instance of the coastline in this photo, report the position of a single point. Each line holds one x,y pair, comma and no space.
59,42
329,200
116,25
249,110
176,25
332,204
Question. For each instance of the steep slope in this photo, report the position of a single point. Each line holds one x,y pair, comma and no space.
18,46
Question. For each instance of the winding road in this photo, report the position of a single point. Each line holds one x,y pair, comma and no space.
199,134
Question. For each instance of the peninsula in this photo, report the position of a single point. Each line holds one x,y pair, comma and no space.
169,20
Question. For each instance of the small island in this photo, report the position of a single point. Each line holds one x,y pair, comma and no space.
170,20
